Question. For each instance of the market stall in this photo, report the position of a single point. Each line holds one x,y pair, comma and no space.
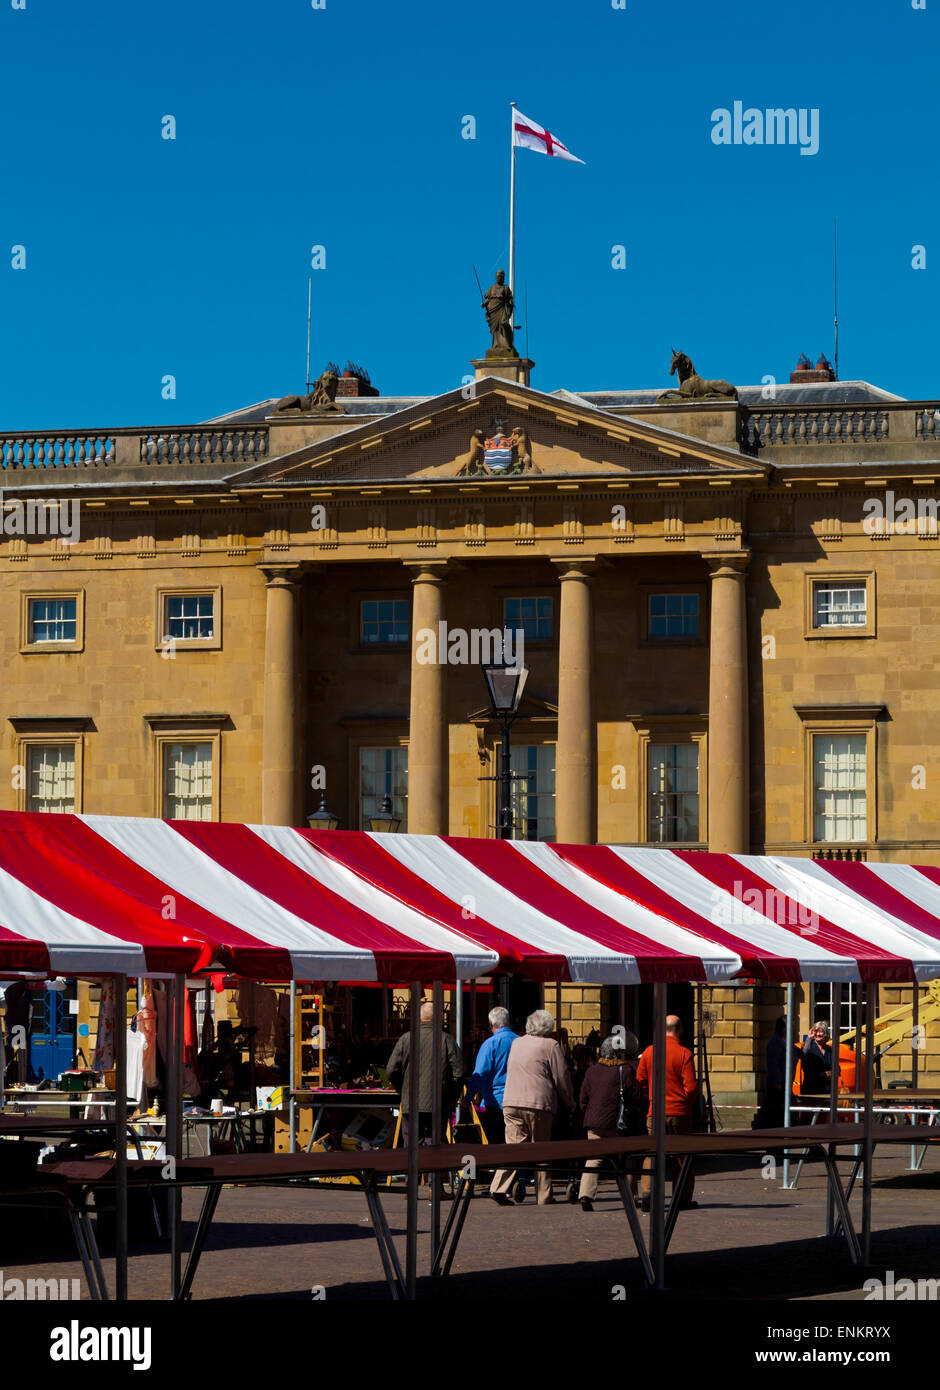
88,894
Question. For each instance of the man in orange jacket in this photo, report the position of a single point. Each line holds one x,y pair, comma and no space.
681,1094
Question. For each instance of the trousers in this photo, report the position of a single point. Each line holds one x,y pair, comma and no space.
588,1187
524,1126
675,1124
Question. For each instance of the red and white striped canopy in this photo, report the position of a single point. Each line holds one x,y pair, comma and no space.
99,894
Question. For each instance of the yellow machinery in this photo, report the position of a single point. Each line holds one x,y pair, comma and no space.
890,1028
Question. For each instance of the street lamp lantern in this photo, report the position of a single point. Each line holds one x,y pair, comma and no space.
386,822
323,818
505,685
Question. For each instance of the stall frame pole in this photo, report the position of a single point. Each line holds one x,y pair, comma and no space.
174,1122
859,1024
3,1062
834,1089
658,1208
411,1228
700,1043
788,1080
915,1048
291,1072
870,992
120,1138
438,1118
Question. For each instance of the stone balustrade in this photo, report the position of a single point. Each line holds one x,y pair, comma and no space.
204,446
134,448
927,422
57,450
852,852
846,424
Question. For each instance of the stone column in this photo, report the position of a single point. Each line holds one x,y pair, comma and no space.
728,804
280,746
428,744
576,751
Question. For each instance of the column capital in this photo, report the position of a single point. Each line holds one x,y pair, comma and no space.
429,571
287,573
577,567
726,563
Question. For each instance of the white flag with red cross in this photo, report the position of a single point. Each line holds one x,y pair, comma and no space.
529,135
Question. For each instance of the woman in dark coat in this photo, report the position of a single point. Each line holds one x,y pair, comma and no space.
615,1071
817,1061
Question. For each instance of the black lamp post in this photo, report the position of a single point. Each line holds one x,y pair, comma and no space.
386,820
322,818
505,685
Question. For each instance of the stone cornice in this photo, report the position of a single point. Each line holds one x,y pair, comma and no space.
841,711
208,720
52,724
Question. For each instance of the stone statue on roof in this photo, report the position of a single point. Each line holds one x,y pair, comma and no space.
695,387
321,399
498,307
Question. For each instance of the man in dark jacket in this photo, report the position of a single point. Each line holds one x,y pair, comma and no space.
452,1073
600,1103
770,1115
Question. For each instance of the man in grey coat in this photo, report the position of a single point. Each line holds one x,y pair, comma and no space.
536,1082
452,1073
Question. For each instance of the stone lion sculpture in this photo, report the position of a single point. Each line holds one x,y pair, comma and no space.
322,397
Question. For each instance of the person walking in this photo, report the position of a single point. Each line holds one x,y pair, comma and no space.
609,1080
537,1082
681,1095
452,1073
488,1081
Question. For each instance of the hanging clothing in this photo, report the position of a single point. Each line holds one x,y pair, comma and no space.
147,1028
161,1001
208,1022
136,1048
257,1008
191,1086
104,1042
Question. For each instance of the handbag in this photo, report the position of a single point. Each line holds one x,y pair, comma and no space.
623,1112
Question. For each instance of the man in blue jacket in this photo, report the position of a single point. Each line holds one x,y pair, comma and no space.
488,1081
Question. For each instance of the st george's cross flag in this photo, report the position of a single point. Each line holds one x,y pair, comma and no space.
529,135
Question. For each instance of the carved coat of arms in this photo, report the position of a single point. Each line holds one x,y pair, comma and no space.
497,450
499,453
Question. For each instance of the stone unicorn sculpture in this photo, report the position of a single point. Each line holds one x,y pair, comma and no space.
692,386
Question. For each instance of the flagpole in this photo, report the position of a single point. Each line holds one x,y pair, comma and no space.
512,200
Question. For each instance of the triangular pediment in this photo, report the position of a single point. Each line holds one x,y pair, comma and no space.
491,431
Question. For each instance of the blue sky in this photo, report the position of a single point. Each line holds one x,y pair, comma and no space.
341,127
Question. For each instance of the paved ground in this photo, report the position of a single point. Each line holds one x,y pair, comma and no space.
748,1239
